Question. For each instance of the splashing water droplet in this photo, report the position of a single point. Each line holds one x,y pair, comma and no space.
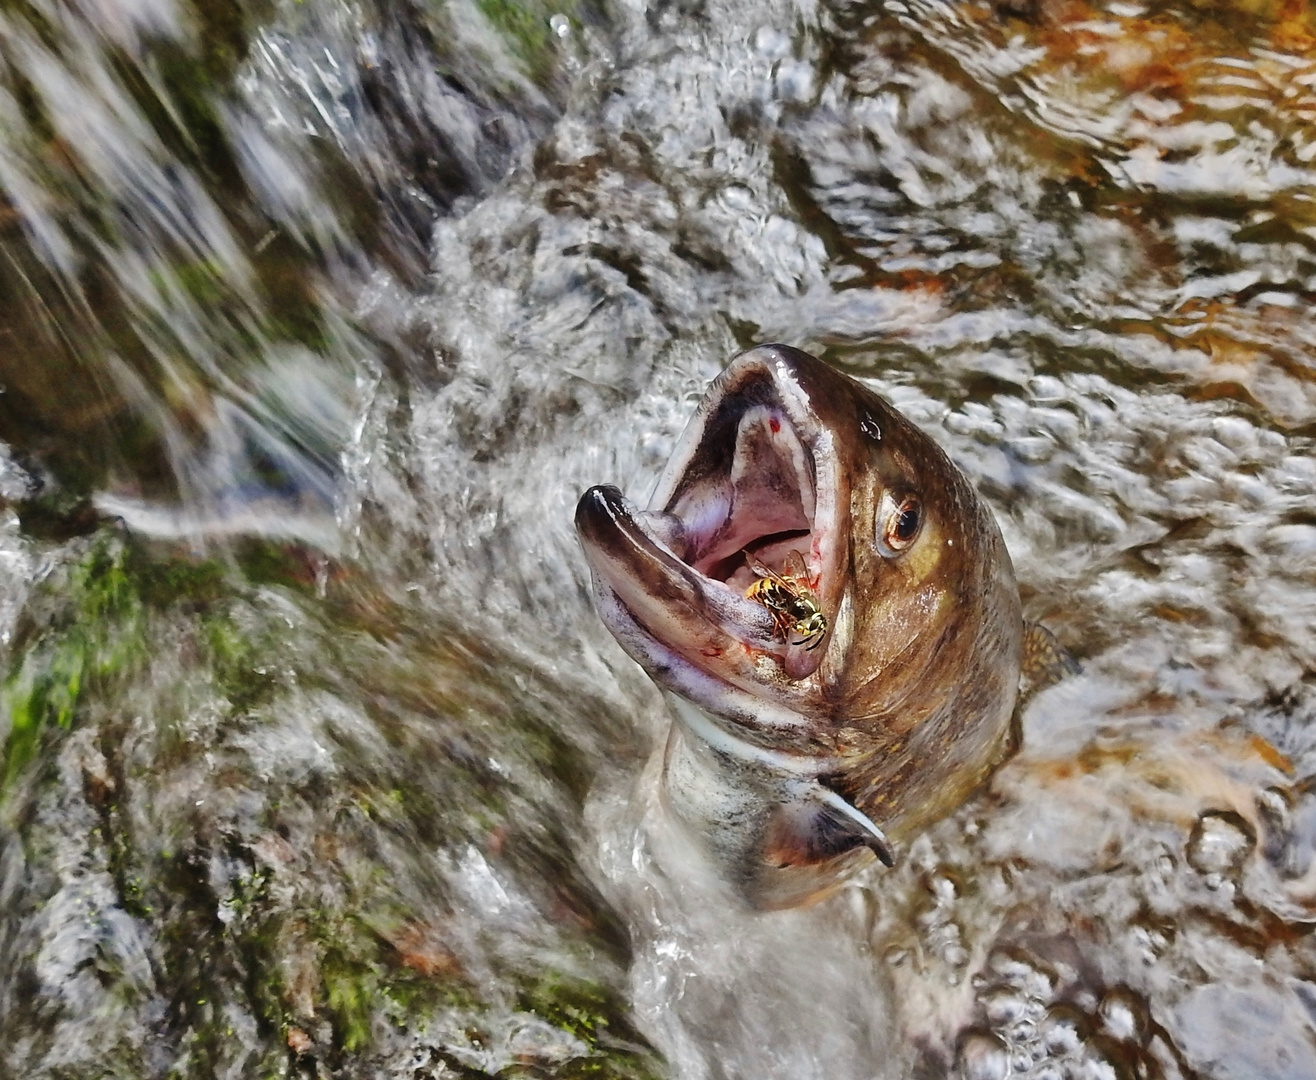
1220,842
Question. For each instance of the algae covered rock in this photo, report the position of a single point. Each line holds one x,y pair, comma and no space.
250,827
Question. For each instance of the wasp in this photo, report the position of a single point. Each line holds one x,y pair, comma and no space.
789,600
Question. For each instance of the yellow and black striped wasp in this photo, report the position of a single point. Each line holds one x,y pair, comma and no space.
789,600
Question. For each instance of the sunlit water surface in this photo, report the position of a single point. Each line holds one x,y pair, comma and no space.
315,319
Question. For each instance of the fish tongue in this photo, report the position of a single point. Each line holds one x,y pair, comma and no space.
800,663
677,604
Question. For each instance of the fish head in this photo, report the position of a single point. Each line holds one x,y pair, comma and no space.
900,701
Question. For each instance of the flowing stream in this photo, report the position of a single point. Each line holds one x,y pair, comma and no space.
316,316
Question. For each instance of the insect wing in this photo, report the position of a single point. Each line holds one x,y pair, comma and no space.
794,567
796,573
760,568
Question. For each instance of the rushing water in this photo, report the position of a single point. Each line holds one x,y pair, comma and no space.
316,317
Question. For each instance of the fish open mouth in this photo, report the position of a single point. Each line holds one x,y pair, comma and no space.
753,480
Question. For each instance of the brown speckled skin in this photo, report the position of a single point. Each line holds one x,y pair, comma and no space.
922,700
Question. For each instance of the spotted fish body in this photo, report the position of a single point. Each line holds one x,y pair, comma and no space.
794,762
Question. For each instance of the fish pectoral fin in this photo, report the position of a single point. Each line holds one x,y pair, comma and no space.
816,826
1045,661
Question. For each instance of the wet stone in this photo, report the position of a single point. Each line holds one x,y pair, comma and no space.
1220,842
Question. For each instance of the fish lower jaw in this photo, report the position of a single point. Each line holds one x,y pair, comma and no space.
658,604
771,713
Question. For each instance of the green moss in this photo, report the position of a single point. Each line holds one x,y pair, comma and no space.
524,23
265,562
95,639
351,993
101,642
232,656
58,517
596,1015
363,978
164,582
203,280
524,26
615,1066
576,1007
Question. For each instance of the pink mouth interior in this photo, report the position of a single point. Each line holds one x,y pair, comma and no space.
749,487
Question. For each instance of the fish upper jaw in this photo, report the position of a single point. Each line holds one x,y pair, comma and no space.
756,471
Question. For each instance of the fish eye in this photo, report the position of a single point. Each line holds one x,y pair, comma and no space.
902,524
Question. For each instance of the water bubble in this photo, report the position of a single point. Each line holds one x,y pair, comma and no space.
1011,965
1064,1029
1153,942
1033,450
1097,1069
943,887
1220,842
771,42
1016,968
983,1056
1275,811
1103,1061
1004,1007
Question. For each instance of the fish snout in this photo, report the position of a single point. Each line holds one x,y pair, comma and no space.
597,513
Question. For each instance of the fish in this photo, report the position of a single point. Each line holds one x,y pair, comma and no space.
797,760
